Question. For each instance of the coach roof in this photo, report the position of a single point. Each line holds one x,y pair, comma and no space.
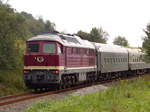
110,48
135,51
66,40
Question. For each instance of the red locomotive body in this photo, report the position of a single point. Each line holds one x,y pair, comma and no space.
58,60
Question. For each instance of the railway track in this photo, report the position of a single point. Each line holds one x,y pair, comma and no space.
29,95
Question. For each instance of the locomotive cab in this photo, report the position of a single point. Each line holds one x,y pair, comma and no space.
43,61
43,53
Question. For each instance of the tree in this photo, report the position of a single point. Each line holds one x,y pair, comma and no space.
38,26
95,35
83,35
98,35
49,27
146,43
122,41
12,29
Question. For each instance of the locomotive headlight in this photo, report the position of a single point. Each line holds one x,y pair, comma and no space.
55,71
25,71
40,59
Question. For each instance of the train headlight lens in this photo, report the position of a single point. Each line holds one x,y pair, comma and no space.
55,71
25,71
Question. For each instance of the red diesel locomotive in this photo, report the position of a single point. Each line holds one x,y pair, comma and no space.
58,60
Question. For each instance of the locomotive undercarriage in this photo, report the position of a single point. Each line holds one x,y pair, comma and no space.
41,79
61,81
69,80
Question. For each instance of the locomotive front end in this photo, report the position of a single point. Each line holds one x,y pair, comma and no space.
42,65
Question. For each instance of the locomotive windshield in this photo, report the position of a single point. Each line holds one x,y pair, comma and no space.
49,48
33,48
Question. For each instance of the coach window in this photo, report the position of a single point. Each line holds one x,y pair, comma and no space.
136,59
140,58
115,60
107,60
119,59
49,48
111,60
124,60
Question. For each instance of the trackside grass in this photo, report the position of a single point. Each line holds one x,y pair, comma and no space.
11,82
129,96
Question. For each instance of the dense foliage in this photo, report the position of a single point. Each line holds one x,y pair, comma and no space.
146,43
15,28
122,41
95,35
11,82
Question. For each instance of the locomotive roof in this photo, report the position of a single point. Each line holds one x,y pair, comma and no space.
110,48
66,40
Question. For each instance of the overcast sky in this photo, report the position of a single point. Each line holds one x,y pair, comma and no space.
118,17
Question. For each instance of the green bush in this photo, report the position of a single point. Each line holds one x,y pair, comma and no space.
11,82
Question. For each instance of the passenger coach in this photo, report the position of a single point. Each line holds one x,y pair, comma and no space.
112,61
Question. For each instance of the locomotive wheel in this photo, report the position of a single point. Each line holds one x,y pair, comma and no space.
68,81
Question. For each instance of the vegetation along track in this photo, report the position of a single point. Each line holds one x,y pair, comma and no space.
30,95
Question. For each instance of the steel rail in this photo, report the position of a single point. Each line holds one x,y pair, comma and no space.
14,96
